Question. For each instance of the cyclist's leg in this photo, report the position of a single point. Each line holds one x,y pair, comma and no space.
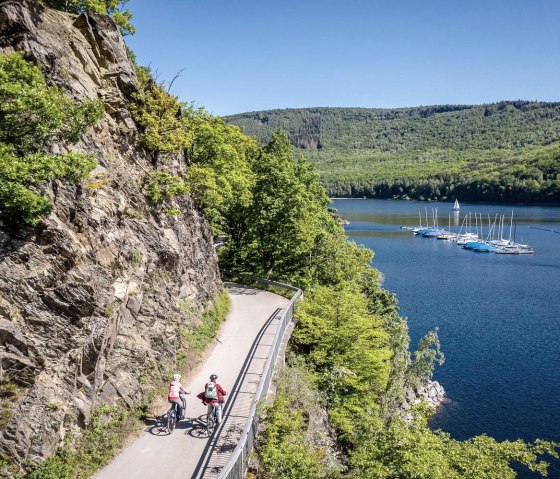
209,411
219,412
178,406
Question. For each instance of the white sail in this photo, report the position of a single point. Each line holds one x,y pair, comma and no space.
456,206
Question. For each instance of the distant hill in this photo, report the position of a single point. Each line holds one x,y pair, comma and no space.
507,151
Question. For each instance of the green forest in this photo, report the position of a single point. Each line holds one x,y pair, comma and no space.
501,152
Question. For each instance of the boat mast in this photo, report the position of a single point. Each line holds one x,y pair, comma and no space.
510,227
476,223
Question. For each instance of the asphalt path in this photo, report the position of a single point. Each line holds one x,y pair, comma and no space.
238,357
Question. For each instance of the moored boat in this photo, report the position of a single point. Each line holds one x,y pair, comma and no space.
485,248
515,249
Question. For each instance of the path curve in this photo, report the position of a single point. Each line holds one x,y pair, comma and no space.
238,358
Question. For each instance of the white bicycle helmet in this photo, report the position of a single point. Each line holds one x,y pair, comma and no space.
176,377
213,377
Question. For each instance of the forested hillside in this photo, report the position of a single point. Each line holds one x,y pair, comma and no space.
507,151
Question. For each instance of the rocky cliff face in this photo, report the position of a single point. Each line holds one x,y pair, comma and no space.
92,299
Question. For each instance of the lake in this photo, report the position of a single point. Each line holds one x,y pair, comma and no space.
498,315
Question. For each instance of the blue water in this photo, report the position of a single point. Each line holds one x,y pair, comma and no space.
498,315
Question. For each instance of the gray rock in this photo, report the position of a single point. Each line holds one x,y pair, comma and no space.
80,324
134,304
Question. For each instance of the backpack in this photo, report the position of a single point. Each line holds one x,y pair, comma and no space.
210,391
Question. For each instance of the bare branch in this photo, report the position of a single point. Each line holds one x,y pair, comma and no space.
177,75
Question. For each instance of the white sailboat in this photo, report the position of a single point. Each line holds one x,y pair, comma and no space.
456,206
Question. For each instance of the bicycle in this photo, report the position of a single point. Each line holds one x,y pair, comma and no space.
212,418
173,416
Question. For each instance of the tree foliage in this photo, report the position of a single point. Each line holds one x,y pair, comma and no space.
164,186
220,160
285,229
34,116
165,130
348,347
503,152
351,340
410,450
289,447
214,159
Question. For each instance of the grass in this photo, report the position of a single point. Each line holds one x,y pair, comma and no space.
109,310
132,213
108,430
200,336
95,185
136,258
160,277
171,211
9,395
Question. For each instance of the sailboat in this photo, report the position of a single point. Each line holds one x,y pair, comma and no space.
456,206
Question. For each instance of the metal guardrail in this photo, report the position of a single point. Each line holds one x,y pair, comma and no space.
236,466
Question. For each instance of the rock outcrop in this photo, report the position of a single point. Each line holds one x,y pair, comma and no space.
93,299
432,393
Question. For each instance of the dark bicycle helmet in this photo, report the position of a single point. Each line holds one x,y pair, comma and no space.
213,377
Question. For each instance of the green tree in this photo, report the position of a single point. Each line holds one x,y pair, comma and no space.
219,171
165,129
34,116
474,152
348,347
289,215
410,450
289,446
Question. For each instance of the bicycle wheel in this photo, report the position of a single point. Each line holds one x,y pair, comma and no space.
210,423
172,419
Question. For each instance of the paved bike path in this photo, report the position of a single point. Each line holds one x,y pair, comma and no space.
238,358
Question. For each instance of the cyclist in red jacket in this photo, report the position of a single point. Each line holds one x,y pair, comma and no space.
213,394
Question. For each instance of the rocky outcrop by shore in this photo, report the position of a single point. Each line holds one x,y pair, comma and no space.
93,299
432,392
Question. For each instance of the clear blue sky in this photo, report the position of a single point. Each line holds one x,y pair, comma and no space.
247,55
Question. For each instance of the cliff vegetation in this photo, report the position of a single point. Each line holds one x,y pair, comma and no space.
104,290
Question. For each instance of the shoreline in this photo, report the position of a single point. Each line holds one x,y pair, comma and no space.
446,202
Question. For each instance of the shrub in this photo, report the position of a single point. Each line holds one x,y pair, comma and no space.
109,426
33,116
137,258
164,186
